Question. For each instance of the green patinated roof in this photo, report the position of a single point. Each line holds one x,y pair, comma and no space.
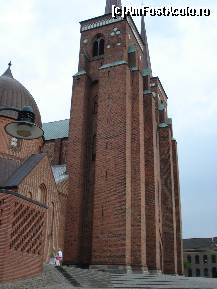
56,129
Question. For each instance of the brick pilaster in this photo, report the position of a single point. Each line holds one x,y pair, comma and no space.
151,184
168,201
177,210
138,231
75,166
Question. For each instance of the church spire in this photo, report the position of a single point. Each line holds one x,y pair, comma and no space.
8,72
147,62
109,3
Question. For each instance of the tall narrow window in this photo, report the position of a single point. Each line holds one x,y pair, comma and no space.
189,273
189,259
42,194
205,259
214,272
98,46
101,46
197,272
95,48
132,57
213,258
197,259
206,272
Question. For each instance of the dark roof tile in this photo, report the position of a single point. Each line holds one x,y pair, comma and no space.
16,178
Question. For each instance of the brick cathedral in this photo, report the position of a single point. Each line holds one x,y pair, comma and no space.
123,208
104,185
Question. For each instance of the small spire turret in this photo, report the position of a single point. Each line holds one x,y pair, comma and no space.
147,62
109,3
8,72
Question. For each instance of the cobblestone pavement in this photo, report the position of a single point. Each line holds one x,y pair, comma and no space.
70,277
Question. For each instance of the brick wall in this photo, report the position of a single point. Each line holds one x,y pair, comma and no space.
63,188
42,175
56,151
177,210
138,201
152,184
22,232
121,205
168,202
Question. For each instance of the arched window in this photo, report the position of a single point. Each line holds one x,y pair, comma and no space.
197,259
206,272
197,272
101,46
29,195
98,46
205,259
189,273
132,57
189,259
42,194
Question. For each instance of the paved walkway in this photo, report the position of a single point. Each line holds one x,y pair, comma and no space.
70,277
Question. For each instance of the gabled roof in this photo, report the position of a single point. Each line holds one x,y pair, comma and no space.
56,130
23,170
200,243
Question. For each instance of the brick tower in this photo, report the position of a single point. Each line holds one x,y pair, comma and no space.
124,205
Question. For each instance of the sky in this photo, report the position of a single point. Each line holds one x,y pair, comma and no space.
41,38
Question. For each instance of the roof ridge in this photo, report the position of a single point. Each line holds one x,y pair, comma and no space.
55,121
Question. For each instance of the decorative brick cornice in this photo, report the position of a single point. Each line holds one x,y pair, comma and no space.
100,23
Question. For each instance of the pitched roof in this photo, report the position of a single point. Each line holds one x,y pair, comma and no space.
56,130
200,243
23,170
7,168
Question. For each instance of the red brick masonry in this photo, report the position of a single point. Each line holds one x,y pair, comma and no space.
22,231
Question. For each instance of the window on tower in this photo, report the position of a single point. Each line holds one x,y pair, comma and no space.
101,46
132,57
98,46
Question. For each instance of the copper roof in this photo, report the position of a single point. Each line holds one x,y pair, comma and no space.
56,130
14,94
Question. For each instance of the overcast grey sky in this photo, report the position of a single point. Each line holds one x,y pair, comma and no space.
41,38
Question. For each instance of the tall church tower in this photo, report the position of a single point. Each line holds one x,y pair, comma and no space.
123,208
